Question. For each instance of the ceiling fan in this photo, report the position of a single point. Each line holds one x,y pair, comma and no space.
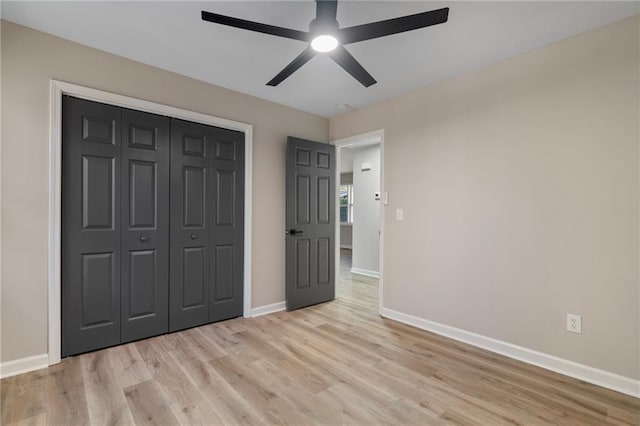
326,36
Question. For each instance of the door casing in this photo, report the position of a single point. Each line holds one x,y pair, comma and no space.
59,88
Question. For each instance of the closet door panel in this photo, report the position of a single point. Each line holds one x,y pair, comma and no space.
91,254
145,225
190,223
227,229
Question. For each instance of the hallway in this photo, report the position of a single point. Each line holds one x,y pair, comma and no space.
354,288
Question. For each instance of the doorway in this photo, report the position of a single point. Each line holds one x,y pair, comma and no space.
359,234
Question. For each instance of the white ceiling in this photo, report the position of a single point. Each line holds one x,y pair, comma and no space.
172,36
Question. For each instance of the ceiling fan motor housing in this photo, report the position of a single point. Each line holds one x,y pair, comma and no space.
324,26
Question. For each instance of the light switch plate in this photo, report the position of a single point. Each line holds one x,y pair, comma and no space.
399,214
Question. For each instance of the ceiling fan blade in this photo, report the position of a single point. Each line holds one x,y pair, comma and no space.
255,26
343,58
393,26
326,10
293,66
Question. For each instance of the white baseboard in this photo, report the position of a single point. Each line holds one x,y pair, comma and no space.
366,272
23,365
583,372
345,246
268,309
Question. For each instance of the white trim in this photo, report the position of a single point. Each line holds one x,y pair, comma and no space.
23,365
346,246
54,226
550,362
369,138
269,309
365,272
57,89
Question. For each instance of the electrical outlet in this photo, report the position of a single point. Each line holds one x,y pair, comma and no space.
574,323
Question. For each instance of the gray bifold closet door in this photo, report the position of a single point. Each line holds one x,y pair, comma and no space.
207,224
130,265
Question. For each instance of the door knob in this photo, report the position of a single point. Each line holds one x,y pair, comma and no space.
293,232
194,236
144,239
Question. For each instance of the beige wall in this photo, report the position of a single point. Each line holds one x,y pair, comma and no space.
519,184
29,60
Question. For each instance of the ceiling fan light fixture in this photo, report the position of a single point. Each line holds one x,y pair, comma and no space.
324,43
326,35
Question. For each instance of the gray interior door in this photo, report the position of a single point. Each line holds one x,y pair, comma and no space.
310,222
207,224
90,226
145,225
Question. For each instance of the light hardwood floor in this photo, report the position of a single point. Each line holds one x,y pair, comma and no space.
335,363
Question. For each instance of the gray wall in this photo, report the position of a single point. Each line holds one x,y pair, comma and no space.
29,60
519,184
346,236
366,210
346,178
346,231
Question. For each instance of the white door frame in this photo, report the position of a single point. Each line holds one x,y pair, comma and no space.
369,138
57,89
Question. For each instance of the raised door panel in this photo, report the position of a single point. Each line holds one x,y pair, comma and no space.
323,203
97,192
193,197
98,128
97,286
91,254
303,199
223,266
225,197
193,278
145,231
303,263
323,261
143,189
142,284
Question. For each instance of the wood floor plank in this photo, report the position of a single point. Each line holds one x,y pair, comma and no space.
106,403
23,397
38,420
128,366
337,363
148,405
65,394
228,404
